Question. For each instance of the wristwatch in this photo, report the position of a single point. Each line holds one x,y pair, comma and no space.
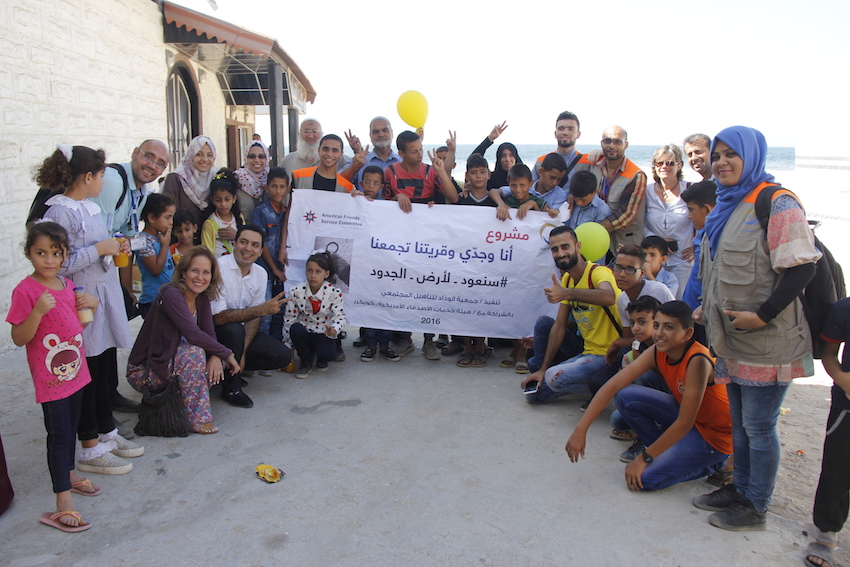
646,458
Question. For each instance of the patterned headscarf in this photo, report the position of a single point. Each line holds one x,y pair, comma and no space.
196,185
751,146
253,183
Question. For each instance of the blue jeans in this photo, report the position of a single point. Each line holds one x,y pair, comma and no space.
572,346
649,413
377,337
755,411
570,377
272,325
650,379
61,418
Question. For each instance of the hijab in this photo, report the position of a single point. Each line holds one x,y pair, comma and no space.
499,178
751,146
195,184
250,182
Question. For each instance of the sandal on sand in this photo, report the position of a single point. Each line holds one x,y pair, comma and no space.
521,368
820,551
508,362
478,360
452,348
85,483
464,360
623,435
721,478
52,520
205,428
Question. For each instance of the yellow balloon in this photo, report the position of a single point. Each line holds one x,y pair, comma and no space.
413,108
594,239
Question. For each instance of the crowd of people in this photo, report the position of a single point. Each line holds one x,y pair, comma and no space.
691,323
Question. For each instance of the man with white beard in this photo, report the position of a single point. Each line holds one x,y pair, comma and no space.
381,134
307,154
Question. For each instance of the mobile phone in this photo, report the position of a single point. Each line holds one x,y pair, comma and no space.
531,387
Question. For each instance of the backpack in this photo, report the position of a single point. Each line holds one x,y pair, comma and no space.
604,307
826,287
39,207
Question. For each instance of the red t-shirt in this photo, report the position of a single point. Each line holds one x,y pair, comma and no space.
421,186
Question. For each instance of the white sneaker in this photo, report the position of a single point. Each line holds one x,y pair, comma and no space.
105,464
127,449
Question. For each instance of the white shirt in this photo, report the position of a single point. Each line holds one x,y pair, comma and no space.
651,288
238,292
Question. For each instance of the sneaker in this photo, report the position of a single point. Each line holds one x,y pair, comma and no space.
721,499
368,354
304,370
127,449
632,452
359,342
429,349
390,354
107,463
404,347
741,517
583,406
340,357
321,365
266,373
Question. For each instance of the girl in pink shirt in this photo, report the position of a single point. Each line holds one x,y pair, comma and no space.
44,317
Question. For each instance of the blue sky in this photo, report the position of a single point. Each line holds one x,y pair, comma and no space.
662,70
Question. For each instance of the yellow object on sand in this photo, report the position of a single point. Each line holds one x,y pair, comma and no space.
269,473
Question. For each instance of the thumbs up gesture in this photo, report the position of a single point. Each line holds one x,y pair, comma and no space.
557,293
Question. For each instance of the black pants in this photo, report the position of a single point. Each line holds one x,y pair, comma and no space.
312,344
96,409
833,496
61,418
264,352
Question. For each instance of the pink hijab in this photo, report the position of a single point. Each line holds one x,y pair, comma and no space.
253,183
196,185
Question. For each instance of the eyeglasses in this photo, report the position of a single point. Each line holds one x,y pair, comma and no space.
667,163
151,159
613,141
256,156
630,270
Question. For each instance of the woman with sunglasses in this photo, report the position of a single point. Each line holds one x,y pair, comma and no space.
667,213
252,178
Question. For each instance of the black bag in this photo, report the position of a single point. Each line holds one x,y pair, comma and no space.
38,208
161,413
826,287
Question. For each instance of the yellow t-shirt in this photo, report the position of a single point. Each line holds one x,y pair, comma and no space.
593,323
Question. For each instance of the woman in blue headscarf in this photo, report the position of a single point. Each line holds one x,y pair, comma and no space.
751,280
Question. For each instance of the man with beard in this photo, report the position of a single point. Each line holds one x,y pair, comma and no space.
567,133
623,189
237,312
147,162
382,154
697,151
324,177
587,292
307,154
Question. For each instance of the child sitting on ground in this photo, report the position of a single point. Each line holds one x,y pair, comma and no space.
183,230
656,251
687,434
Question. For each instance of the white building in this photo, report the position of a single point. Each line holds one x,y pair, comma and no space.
112,73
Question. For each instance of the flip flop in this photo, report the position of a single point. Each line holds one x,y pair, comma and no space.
52,520
521,368
75,488
452,348
478,360
822,552
464,360
508,362
623,435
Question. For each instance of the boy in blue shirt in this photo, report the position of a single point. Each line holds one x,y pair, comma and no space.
272,215
656,251
587,206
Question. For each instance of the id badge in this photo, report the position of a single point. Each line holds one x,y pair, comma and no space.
137,243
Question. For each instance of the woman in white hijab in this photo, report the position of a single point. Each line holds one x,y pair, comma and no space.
252,178
189,184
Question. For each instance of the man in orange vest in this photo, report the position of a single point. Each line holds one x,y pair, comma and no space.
623,188
567,133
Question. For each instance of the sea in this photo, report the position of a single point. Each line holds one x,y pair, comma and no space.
778,159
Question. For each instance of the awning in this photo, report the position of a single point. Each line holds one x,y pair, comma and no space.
239,57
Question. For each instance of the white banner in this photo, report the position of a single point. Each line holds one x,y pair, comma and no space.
445,269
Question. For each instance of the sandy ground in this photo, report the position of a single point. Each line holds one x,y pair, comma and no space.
409,463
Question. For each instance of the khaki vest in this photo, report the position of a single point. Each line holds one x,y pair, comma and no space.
632,233
741,278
